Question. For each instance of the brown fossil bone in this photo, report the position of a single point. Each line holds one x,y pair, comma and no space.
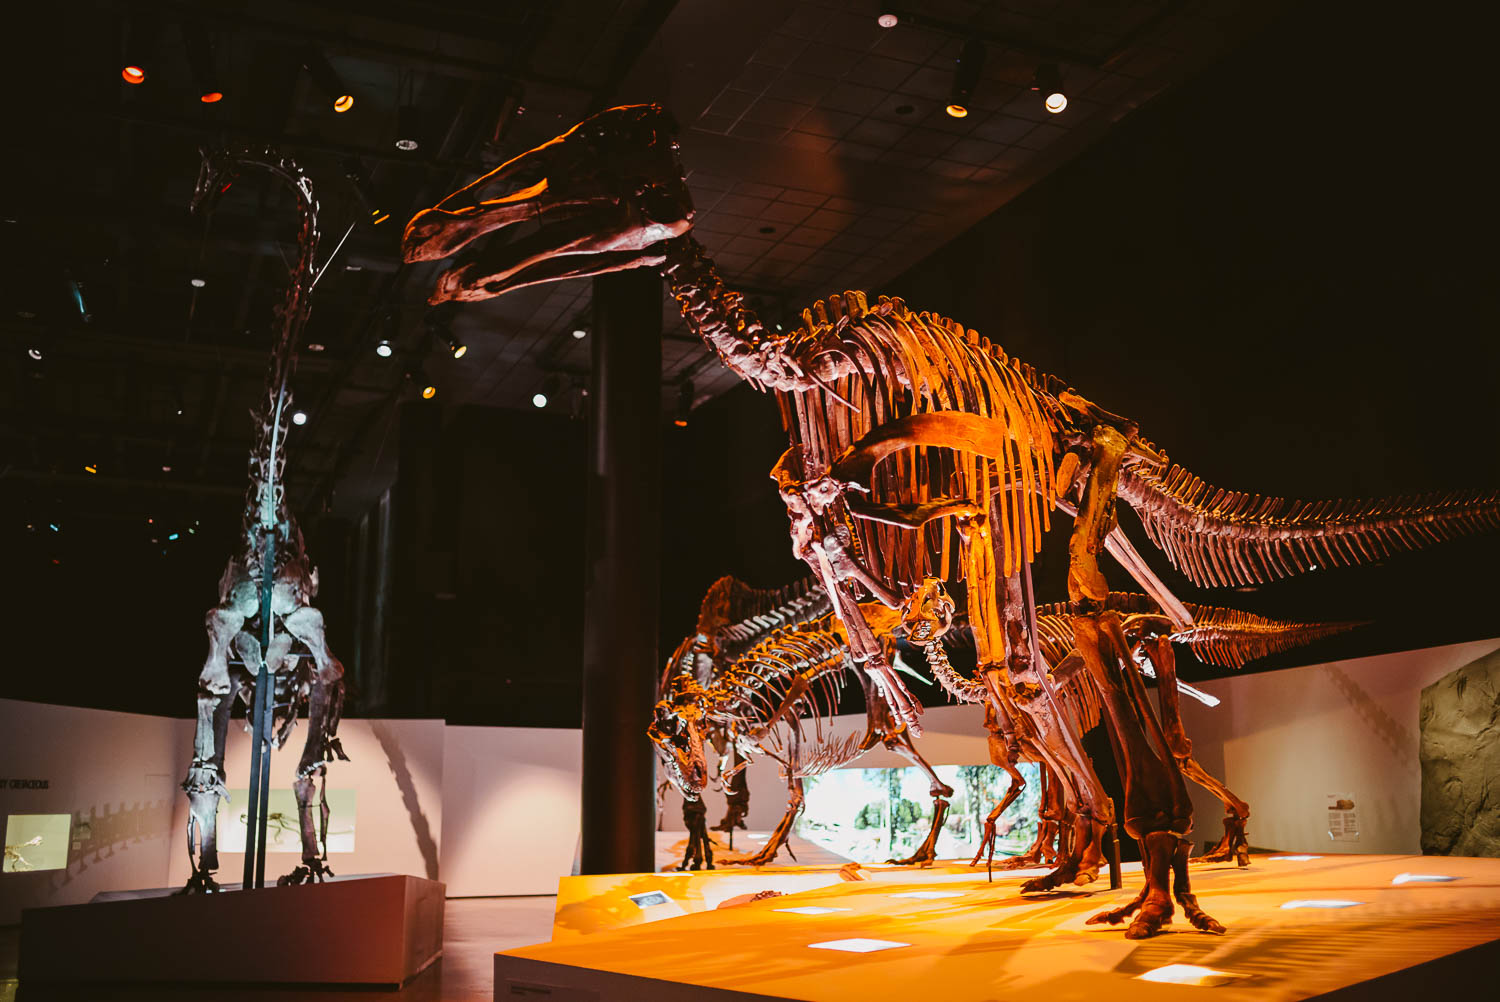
973,507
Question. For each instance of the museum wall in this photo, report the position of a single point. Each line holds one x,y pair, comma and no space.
1285,740
117,774
510,809
487,810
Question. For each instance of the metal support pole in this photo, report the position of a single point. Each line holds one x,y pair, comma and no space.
260,727
622,546
1115,880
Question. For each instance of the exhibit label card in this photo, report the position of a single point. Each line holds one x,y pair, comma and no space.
1343,821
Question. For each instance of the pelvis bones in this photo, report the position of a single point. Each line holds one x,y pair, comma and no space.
919,449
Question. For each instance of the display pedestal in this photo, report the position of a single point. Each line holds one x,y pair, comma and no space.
367,930
1336,927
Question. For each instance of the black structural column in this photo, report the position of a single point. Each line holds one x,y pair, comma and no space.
620,608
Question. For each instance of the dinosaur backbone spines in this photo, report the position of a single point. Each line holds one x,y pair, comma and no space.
1220,538
737,616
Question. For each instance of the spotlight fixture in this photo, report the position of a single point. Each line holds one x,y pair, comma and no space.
200,53
326,80
579,333
408,118
383,348
888,20
35,354
141,35
299,417
355,172
970,65
684,403
457,347
196,282
1048,83
91,468
439,325
315,347
419,379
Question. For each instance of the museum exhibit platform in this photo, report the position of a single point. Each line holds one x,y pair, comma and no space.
1300,927
375,929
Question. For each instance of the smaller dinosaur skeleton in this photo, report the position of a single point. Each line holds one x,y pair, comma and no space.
776,698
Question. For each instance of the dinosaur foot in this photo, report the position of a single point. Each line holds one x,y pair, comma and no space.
1155,912
922,857
1066,873
1115,916
312,871
1201,920
201,882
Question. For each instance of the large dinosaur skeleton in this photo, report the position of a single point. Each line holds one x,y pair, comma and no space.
919,449
775,697
269,538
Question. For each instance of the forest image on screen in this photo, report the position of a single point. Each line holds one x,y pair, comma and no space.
872,815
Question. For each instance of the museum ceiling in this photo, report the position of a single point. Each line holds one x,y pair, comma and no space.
819,151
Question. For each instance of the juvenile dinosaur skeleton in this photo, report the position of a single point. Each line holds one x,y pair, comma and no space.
776,697
919,449
269,534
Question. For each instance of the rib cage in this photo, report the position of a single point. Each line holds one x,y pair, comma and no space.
794,674
888,362
1224,538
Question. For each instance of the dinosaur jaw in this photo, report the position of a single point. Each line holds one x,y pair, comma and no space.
603,197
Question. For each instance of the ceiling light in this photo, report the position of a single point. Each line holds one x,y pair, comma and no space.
167,469
314,346
429,391
383,348
966,71
552,387
299,417
326,80
35,354
197,283
457,347
579,333
888,20
91,468
539,399
1048,82
133,75
200,53
407,120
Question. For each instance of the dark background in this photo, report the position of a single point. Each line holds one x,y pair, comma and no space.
1283,269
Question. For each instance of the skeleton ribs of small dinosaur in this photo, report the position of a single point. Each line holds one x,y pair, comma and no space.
320,687
763,673
920,450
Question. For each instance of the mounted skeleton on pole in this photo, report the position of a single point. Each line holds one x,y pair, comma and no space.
269,582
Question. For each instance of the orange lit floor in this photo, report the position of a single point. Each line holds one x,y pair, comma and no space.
972,940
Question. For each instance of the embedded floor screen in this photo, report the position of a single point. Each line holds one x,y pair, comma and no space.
37,842
871,815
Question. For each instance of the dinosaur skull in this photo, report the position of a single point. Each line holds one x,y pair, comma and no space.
927,613
605,196
679,742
